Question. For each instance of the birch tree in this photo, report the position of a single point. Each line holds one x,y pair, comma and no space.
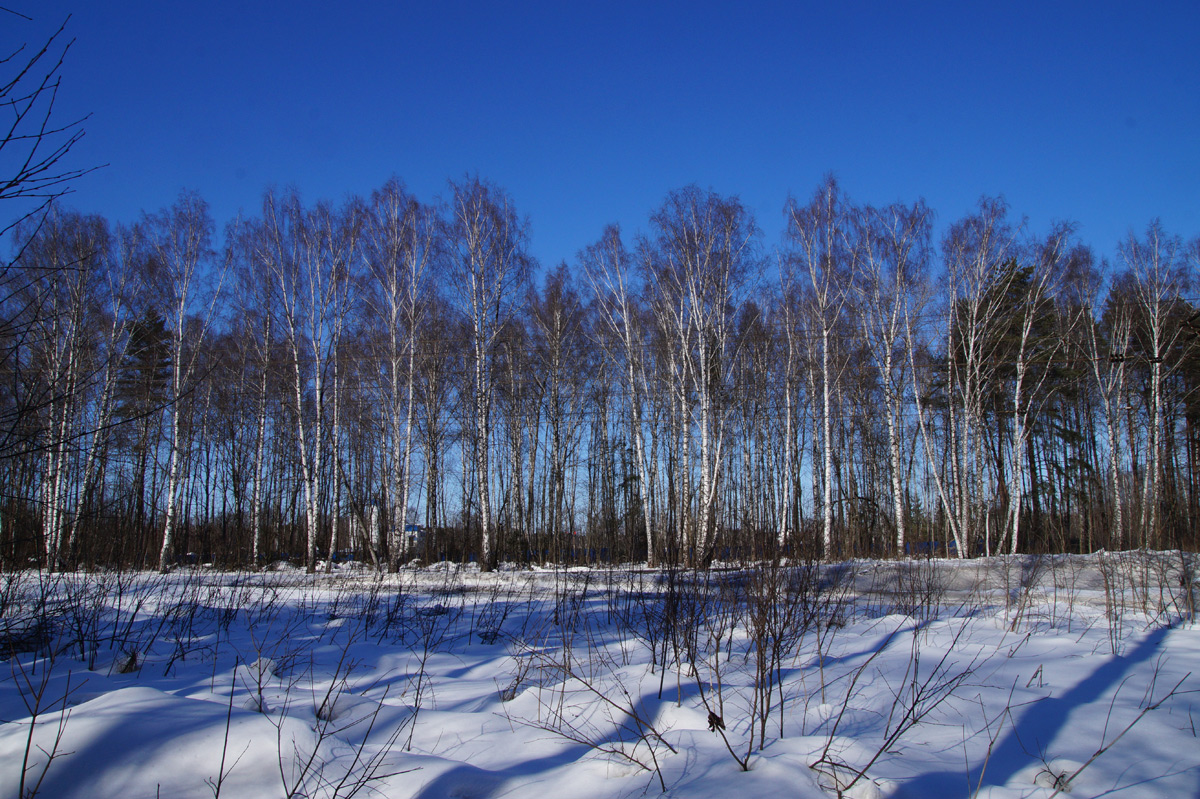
891,285
562,362
975,251
255,303
790,316
309,254
1155,263
178,254
439,364
819,236
488,270
400,246
1036,341
74,300
700,260
608,267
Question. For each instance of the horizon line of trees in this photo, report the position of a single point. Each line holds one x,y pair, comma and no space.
388,379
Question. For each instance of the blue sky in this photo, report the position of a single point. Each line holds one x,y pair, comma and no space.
590,113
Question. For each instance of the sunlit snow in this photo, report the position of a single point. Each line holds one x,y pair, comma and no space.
993,678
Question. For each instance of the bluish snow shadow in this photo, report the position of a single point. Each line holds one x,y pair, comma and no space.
1035,729
473,782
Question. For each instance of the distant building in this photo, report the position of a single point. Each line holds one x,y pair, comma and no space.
414,537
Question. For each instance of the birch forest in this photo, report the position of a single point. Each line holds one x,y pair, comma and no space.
388,379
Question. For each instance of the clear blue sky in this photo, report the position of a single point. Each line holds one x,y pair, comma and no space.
588,113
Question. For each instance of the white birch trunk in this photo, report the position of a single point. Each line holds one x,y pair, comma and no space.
260,441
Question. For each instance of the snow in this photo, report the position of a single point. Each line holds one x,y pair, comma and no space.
996,678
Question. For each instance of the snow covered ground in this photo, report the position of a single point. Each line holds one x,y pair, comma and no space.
992,678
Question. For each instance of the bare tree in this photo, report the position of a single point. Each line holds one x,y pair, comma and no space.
563,360
73,302
519,399
489,268
698,264
1105,345
1156,264
978,251
177,253
309,255
400,245
891,285
34,148
254,321
819,233
1034,345
439,363
32,139
608,267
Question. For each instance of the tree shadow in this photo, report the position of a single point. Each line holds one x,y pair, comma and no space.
1035,729
475,782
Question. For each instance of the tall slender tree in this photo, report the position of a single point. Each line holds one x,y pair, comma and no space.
698,264
178,259
401,246
489,268
310,254
819,234
891,284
